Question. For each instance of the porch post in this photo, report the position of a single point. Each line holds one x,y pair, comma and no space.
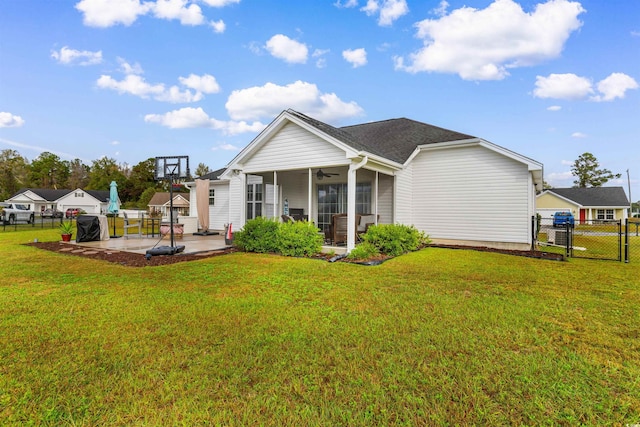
276,199
310,196
243,201
351,208
376,183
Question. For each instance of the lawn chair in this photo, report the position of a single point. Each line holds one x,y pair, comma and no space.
128,224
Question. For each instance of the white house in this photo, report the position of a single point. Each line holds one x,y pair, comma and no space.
457,188
39,199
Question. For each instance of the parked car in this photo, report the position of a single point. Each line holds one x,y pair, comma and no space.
51,213
72,213
10,213
561,219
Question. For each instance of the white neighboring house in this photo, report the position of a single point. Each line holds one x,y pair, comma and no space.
39,199
457,188
89,201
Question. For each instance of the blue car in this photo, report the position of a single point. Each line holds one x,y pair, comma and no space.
561,219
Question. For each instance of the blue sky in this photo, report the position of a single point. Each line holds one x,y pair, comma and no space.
133,79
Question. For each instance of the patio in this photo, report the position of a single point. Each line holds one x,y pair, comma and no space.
193,244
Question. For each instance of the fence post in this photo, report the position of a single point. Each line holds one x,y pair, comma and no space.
626,241
568,246
533,233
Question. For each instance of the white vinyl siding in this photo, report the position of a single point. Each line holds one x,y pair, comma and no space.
294,148
219,212
385,199
404,196
472,194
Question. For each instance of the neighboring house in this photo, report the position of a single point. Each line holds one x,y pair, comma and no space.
39,199
457,188
160,203
89,201
586,204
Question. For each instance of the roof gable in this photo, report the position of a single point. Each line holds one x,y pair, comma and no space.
48,194
594,196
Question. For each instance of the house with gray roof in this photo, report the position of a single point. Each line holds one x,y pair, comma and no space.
39,199
455,187
586,204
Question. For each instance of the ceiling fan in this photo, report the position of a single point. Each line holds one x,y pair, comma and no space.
320,174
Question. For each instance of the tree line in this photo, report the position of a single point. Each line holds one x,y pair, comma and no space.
136,185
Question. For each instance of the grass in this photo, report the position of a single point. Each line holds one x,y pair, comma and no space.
436,337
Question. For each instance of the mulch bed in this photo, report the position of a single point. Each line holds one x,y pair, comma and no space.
125,258
139,260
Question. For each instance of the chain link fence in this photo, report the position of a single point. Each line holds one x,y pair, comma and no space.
593,239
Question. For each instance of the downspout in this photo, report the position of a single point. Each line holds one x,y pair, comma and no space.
351,202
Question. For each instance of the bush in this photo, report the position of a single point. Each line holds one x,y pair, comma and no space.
258,235
364,250
395,239
264,235
299,238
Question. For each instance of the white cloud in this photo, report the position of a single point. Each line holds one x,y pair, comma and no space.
566,162
115,142
578,135
106,13
218,26
127,68
178,9
198,118
347,3
8,120
136,85
225,147
559,177
291,51
68,56
269,100
562,86
132,84
573,87
483,44
554,108
389,10
356,57
220,3
614,87
205,84
321,62
441,10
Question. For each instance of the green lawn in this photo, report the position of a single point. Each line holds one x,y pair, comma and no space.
436,337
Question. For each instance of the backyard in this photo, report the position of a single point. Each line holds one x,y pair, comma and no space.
435,337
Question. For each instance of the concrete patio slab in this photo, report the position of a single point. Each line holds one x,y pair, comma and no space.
192,244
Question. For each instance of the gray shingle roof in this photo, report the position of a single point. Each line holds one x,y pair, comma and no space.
213,175
393,139
47,194
594,196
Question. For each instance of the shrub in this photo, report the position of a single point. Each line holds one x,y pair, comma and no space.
299,238
364,250
258,235
264,235
395,239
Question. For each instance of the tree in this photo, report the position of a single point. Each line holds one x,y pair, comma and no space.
202,169
141,177
14,172
102,172
78,174
48,171
586,170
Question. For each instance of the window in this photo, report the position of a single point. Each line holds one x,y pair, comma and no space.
605,214
332,199
254,201
212,197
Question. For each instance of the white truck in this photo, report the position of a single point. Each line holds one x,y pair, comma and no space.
10,213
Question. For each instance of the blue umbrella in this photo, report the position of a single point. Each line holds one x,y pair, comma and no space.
113,204
113,198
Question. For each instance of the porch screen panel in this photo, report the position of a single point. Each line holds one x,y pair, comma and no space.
332,199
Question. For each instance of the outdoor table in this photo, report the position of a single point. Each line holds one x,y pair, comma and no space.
155,222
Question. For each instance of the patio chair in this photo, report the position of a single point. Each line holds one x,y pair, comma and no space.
363,224
339,228
128,224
